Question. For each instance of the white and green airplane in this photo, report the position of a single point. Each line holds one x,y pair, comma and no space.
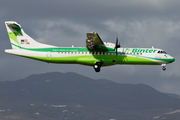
96,53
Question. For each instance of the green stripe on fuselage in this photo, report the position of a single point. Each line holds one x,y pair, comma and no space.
56,49
106,60
92,59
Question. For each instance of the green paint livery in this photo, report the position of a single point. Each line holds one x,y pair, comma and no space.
96,53
13,36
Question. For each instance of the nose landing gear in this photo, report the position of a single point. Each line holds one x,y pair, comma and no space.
163,67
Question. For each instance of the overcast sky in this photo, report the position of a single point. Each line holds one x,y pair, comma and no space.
137,23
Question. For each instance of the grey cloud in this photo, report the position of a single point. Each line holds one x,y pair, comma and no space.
89,9
137,23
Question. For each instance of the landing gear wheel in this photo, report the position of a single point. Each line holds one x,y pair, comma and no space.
97,67
164,68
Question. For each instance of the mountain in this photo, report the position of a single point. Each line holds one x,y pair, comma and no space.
72,96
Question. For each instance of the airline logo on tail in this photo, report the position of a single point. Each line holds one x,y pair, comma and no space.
25,41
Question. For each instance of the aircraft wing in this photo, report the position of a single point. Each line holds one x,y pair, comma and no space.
93,41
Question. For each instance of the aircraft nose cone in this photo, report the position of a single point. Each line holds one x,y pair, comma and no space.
172,59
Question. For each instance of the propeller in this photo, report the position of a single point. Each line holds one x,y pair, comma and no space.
117,45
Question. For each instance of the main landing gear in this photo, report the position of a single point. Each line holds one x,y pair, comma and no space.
163,67
97,66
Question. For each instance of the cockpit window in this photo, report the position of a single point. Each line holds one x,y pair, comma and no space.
162,52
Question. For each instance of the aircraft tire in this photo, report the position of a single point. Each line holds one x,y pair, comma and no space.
163,68
97,69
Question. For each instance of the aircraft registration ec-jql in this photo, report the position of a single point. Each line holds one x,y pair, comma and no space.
96,53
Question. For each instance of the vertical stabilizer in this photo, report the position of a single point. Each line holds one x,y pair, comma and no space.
19,38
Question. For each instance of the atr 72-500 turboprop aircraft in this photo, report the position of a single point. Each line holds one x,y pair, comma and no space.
96,53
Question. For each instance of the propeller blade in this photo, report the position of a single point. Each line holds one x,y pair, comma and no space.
116,41
116,45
